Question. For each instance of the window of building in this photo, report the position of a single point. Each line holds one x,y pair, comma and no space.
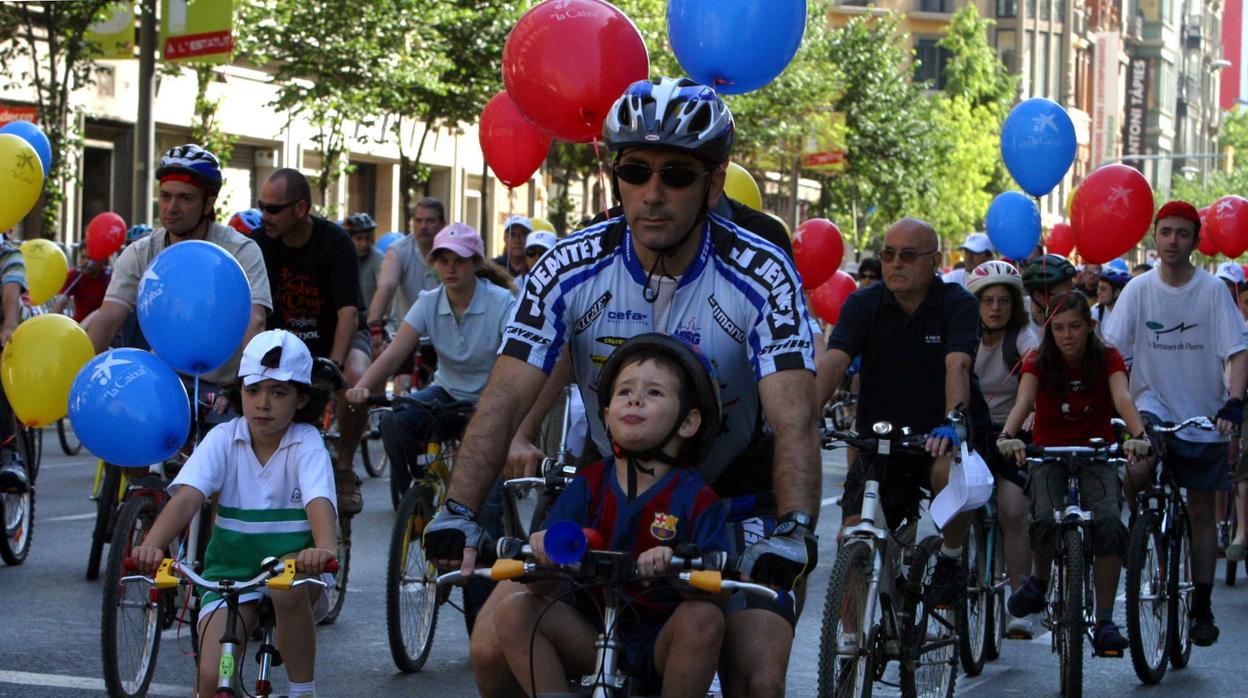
933,6
930,60
362,189
1007,49
1007,8
1042,67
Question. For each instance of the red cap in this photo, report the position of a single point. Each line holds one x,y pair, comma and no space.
1179,209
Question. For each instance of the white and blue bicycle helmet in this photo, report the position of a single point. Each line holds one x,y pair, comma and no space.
671,113
193,164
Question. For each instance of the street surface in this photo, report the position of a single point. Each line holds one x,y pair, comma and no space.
50,640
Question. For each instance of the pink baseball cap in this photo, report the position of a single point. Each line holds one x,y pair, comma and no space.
460,238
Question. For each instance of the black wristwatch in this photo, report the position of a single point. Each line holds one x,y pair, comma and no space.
460,509
792,520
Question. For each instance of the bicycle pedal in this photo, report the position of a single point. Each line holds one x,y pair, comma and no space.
1112,654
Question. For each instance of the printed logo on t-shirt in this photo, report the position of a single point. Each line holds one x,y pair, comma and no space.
1179,345
689,331
664,526
296,496
932,339
583,322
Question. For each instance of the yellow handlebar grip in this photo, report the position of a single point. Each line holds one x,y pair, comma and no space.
287,577
164,575
706,580
506,569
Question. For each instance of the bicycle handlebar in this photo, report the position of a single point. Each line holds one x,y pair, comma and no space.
1201,423
275,574
913,444
1054,451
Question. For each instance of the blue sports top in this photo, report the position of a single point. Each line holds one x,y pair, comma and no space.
739,303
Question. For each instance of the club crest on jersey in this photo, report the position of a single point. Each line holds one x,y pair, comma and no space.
296,495
664,526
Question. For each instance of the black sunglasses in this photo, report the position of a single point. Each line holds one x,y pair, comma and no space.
908,256
674,176
274,209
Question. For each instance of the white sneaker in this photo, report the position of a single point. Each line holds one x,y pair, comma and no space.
1021,628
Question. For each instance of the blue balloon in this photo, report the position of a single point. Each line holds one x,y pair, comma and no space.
35,136
1013,224
129,408
385,241
194,305
1038,144
735,46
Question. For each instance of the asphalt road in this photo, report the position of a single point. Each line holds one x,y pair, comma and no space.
50,635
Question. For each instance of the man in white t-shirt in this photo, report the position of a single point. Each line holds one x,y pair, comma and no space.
975,251
1178,325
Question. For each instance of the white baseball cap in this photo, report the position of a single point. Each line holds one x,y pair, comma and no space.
540,238
978,243
521,221
277,355
1231,271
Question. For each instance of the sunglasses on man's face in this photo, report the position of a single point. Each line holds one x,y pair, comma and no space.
907,255
674,176
274,209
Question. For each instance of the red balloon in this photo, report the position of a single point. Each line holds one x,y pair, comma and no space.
1112,211
1206,244
1227,222
831,294
1061,240
817,249
106,233
513,147
567,61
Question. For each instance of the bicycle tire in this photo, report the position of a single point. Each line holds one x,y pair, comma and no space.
1147,607
1073,573
105,512
375,464
937,675
411,619
995,623
973,614
338,592
130,620
400,484
33,456
68,438
17,514
1179,588
851,573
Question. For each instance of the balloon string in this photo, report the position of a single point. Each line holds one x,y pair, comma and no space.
70,287
602,177
195,416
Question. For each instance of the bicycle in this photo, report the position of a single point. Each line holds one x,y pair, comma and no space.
876,609
1159,569
17,507
276,574
1069,608
327,377
412,596
68,438
1228,526
610,571
981,619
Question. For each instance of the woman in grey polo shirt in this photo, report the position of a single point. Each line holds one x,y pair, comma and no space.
464,318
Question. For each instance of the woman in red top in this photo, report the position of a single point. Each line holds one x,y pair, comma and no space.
1075,384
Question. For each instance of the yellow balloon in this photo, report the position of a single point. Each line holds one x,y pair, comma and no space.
46,269
39,365
21,179
740,185
541,224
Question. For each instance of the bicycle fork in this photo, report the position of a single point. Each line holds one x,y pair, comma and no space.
607,681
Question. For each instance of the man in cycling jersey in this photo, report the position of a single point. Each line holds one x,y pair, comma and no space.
1177,326
667,265
917,335
190,179
316,296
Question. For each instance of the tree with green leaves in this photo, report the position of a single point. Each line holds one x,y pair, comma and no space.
1223,182
974,71
205,128
51,38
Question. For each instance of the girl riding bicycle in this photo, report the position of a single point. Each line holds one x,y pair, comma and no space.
276,498
1074,383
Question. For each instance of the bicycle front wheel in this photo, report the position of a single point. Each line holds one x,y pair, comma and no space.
1073,573
411,587
68,438
338,592
1179,587
930,636
371,450
130,615
17,512
975,612
105,506
994,624
1147,607
847,661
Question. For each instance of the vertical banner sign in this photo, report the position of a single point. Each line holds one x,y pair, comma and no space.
1105,104
824,147
1136,119
199,31
113,33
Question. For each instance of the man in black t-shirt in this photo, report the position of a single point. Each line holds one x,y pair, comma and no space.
316,295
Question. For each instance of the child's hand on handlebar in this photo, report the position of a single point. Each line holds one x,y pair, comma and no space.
312,561
537,543
147,558
357,395
654,562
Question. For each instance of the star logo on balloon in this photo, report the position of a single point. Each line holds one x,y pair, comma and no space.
103,373
1043,122
1120,195
1225,205
26,161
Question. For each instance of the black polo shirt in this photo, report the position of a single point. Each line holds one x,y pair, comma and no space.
903,356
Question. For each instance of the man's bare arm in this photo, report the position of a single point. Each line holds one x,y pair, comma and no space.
105,324
957,381
798,471
830,373
348,325
387,282
513,386
259,316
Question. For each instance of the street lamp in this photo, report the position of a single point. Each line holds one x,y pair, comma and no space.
1219,64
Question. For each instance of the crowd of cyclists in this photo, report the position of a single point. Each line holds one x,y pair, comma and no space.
679,320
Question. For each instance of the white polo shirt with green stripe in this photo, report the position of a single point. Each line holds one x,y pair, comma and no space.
260,510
